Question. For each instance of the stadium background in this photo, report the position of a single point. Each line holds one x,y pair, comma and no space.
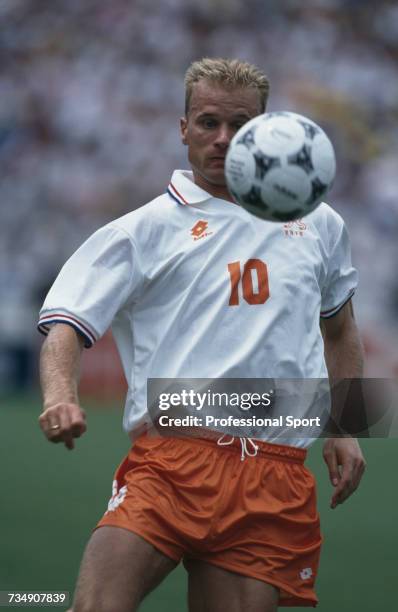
90,96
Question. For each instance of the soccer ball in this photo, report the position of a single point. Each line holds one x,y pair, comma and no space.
279,166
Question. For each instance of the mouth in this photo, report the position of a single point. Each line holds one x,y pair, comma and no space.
218,159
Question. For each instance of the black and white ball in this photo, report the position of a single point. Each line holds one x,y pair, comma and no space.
279,166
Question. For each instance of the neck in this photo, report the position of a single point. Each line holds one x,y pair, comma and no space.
217,191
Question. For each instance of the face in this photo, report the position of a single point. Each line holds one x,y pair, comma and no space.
214,117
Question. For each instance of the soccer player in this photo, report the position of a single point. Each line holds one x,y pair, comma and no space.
172,278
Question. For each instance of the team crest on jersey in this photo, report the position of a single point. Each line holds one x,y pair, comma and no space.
199,230
295,228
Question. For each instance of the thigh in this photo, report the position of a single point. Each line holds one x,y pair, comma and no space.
213,589
118,569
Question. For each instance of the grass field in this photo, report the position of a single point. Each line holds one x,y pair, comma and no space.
51,499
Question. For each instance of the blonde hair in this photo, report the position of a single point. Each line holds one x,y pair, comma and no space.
229,73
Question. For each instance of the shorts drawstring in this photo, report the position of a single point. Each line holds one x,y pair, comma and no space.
244,446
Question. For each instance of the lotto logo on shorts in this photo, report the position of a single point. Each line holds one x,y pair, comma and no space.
199,230
117,497
306,573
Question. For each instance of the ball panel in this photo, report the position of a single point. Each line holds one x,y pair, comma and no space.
324,159
240,169
286,188
279,136
303,159
247,139
287,216
310,128
318,190
264,163
253,198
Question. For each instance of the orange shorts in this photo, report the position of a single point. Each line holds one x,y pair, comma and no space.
193,499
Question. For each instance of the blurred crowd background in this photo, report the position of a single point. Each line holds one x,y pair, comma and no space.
90,97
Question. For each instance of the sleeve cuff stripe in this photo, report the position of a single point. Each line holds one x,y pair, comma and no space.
330,313
45,328
44,322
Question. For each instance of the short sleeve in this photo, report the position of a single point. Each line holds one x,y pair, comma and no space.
341,278
94,284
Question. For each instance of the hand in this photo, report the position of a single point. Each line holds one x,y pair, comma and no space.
346,465
63,423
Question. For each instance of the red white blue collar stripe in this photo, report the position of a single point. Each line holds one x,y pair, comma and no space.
176,195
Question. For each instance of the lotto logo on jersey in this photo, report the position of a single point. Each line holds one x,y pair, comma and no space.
199,230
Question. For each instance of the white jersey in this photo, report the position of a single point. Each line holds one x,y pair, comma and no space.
196,287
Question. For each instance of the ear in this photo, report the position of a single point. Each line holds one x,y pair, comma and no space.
183,130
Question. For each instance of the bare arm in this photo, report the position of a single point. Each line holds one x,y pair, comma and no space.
62,419
344,359
343,347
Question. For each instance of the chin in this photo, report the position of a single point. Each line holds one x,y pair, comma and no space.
216,178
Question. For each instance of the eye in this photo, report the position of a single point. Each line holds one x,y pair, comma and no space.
208,123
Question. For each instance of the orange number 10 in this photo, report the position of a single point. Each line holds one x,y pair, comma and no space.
251,296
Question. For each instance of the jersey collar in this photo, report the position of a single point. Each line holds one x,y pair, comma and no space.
184,191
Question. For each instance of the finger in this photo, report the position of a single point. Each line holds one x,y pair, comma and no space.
357,473
52,429
343,491
345,486
49,423
78,423
350,481
65,434
57,426
360,467
68,441
78,429
332,465
44,423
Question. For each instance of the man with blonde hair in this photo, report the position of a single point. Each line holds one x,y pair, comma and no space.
239,512
232,74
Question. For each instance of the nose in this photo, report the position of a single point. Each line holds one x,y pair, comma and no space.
224,136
